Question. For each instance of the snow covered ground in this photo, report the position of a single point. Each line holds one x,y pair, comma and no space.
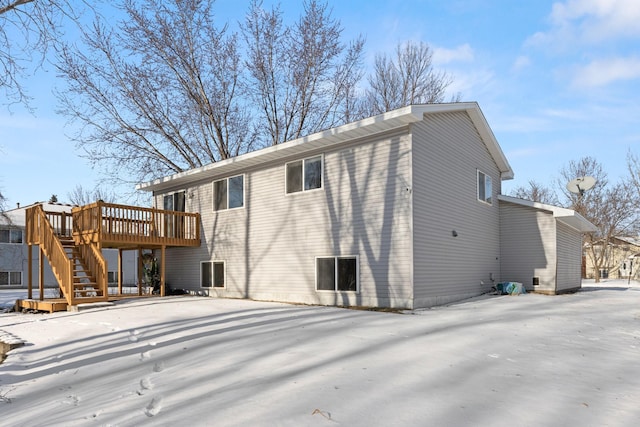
527,360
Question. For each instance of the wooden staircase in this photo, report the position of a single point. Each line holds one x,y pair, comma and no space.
84,285
79,267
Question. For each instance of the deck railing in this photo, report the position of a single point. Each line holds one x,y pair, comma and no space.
114,224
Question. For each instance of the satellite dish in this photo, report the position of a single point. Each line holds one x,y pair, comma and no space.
581,184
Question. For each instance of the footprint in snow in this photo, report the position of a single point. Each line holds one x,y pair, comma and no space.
145,355
158,367
145,384
154,407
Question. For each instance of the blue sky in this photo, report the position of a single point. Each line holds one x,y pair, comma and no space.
556,80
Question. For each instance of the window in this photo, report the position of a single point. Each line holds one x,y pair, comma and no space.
10,278
112,277
484,188
228,193
11,235
304,175
337,274
212,274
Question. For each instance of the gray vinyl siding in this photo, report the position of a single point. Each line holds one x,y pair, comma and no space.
528,246
447,153
569,247
270,246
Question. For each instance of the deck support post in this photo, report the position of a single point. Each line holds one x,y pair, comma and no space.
119,271
140,270
162,270
41,273
30,272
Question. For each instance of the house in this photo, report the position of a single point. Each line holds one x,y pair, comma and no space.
14,256
541,245
398,210
621,259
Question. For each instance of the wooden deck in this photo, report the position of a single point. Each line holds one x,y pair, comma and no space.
73,243
53,305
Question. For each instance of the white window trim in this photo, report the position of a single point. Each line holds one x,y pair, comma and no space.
213,192
486,175
224,272
336,257
303,191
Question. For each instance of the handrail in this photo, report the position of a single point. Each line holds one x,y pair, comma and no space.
40,231
97,265
110,222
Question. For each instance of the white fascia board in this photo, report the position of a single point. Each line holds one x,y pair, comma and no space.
567,216
389,121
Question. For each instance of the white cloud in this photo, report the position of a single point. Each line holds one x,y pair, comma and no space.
590,21
462,53
606,71
521,62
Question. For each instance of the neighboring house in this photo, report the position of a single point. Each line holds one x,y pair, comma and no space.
621,259
397,210
14,254
541,245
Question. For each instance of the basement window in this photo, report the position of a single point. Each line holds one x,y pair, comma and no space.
337,274
212,274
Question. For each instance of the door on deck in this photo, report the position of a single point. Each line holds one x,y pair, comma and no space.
174,225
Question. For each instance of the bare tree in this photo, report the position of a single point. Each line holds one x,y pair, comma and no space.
160,94
28,29
408,79
612,208
81,196
302,77
536,192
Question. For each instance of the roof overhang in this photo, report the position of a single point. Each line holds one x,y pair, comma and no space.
566,216
395,120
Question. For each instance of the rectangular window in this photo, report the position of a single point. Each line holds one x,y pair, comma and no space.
485,188
11,235
10,278
337,274
304,175
212,274
228,193
112,277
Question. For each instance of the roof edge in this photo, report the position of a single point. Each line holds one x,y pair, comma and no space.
567,216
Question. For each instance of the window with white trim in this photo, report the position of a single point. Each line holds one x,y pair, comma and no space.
212,274
11,235
338,273
228,193
304,175
9,278
485,189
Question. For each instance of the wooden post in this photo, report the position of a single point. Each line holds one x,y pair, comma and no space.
41,273
119,271
162,270
139,271
30,272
